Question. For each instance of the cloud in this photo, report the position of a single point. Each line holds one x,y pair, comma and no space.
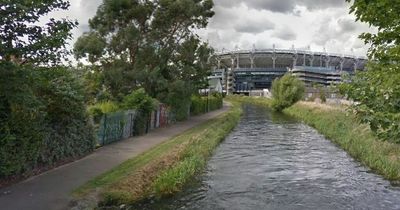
285,33
224,18
347,25
227,3
253,25
89,5
322,4
283,6
340,29
243,23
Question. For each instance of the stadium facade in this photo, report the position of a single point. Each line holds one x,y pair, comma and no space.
246,70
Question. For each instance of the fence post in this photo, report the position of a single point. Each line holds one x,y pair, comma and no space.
104,129
131,125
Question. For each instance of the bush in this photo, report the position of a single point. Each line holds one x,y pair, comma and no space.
200,105
140,101
377,93
69,133
99,109
179,99
286,91
43,119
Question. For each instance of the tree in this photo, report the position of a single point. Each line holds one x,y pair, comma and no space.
148,43
43,117
376,91
22,40
286,91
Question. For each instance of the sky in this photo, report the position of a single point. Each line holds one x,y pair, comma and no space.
245,24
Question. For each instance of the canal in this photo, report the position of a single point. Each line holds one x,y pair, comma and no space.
273,162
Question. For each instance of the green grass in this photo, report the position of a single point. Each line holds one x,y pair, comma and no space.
164,169
355,138
342,128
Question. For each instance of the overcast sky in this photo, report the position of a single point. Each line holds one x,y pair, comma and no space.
262,23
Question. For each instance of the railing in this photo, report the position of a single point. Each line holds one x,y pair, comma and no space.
122,125
288,51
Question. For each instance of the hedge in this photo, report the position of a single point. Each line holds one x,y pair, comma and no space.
43,119
203,104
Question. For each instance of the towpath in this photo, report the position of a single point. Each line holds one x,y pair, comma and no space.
51,190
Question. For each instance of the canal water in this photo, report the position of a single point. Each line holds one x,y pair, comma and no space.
273,162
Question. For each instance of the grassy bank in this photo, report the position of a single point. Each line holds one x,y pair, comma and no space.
348,133
356,138
162,170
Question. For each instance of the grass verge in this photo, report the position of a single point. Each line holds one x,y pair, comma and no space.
164,169
342,128
355,138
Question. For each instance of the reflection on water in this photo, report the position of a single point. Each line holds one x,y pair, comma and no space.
273,162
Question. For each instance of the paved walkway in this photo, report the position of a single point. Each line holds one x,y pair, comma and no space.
52,189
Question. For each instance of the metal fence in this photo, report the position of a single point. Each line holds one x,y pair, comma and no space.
121,125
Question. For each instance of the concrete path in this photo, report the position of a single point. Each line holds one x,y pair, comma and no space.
52,189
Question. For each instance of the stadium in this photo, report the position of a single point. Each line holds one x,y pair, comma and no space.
242,71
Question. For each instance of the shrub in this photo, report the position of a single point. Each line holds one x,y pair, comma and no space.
377,93
43,118
69,133
179,99
139,100
286,91
143,104
99,109
200,105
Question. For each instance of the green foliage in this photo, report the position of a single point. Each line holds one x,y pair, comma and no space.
107,107
192,149
98,110
354,137
69,134
172,180
384,15
195,155
346,131
179,99
21,121
23,39
139,100
43,118
286,91
376,92
200,105
377,100
93,80
90,44
143,104
150,45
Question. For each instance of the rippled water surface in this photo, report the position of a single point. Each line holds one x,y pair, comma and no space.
271,162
